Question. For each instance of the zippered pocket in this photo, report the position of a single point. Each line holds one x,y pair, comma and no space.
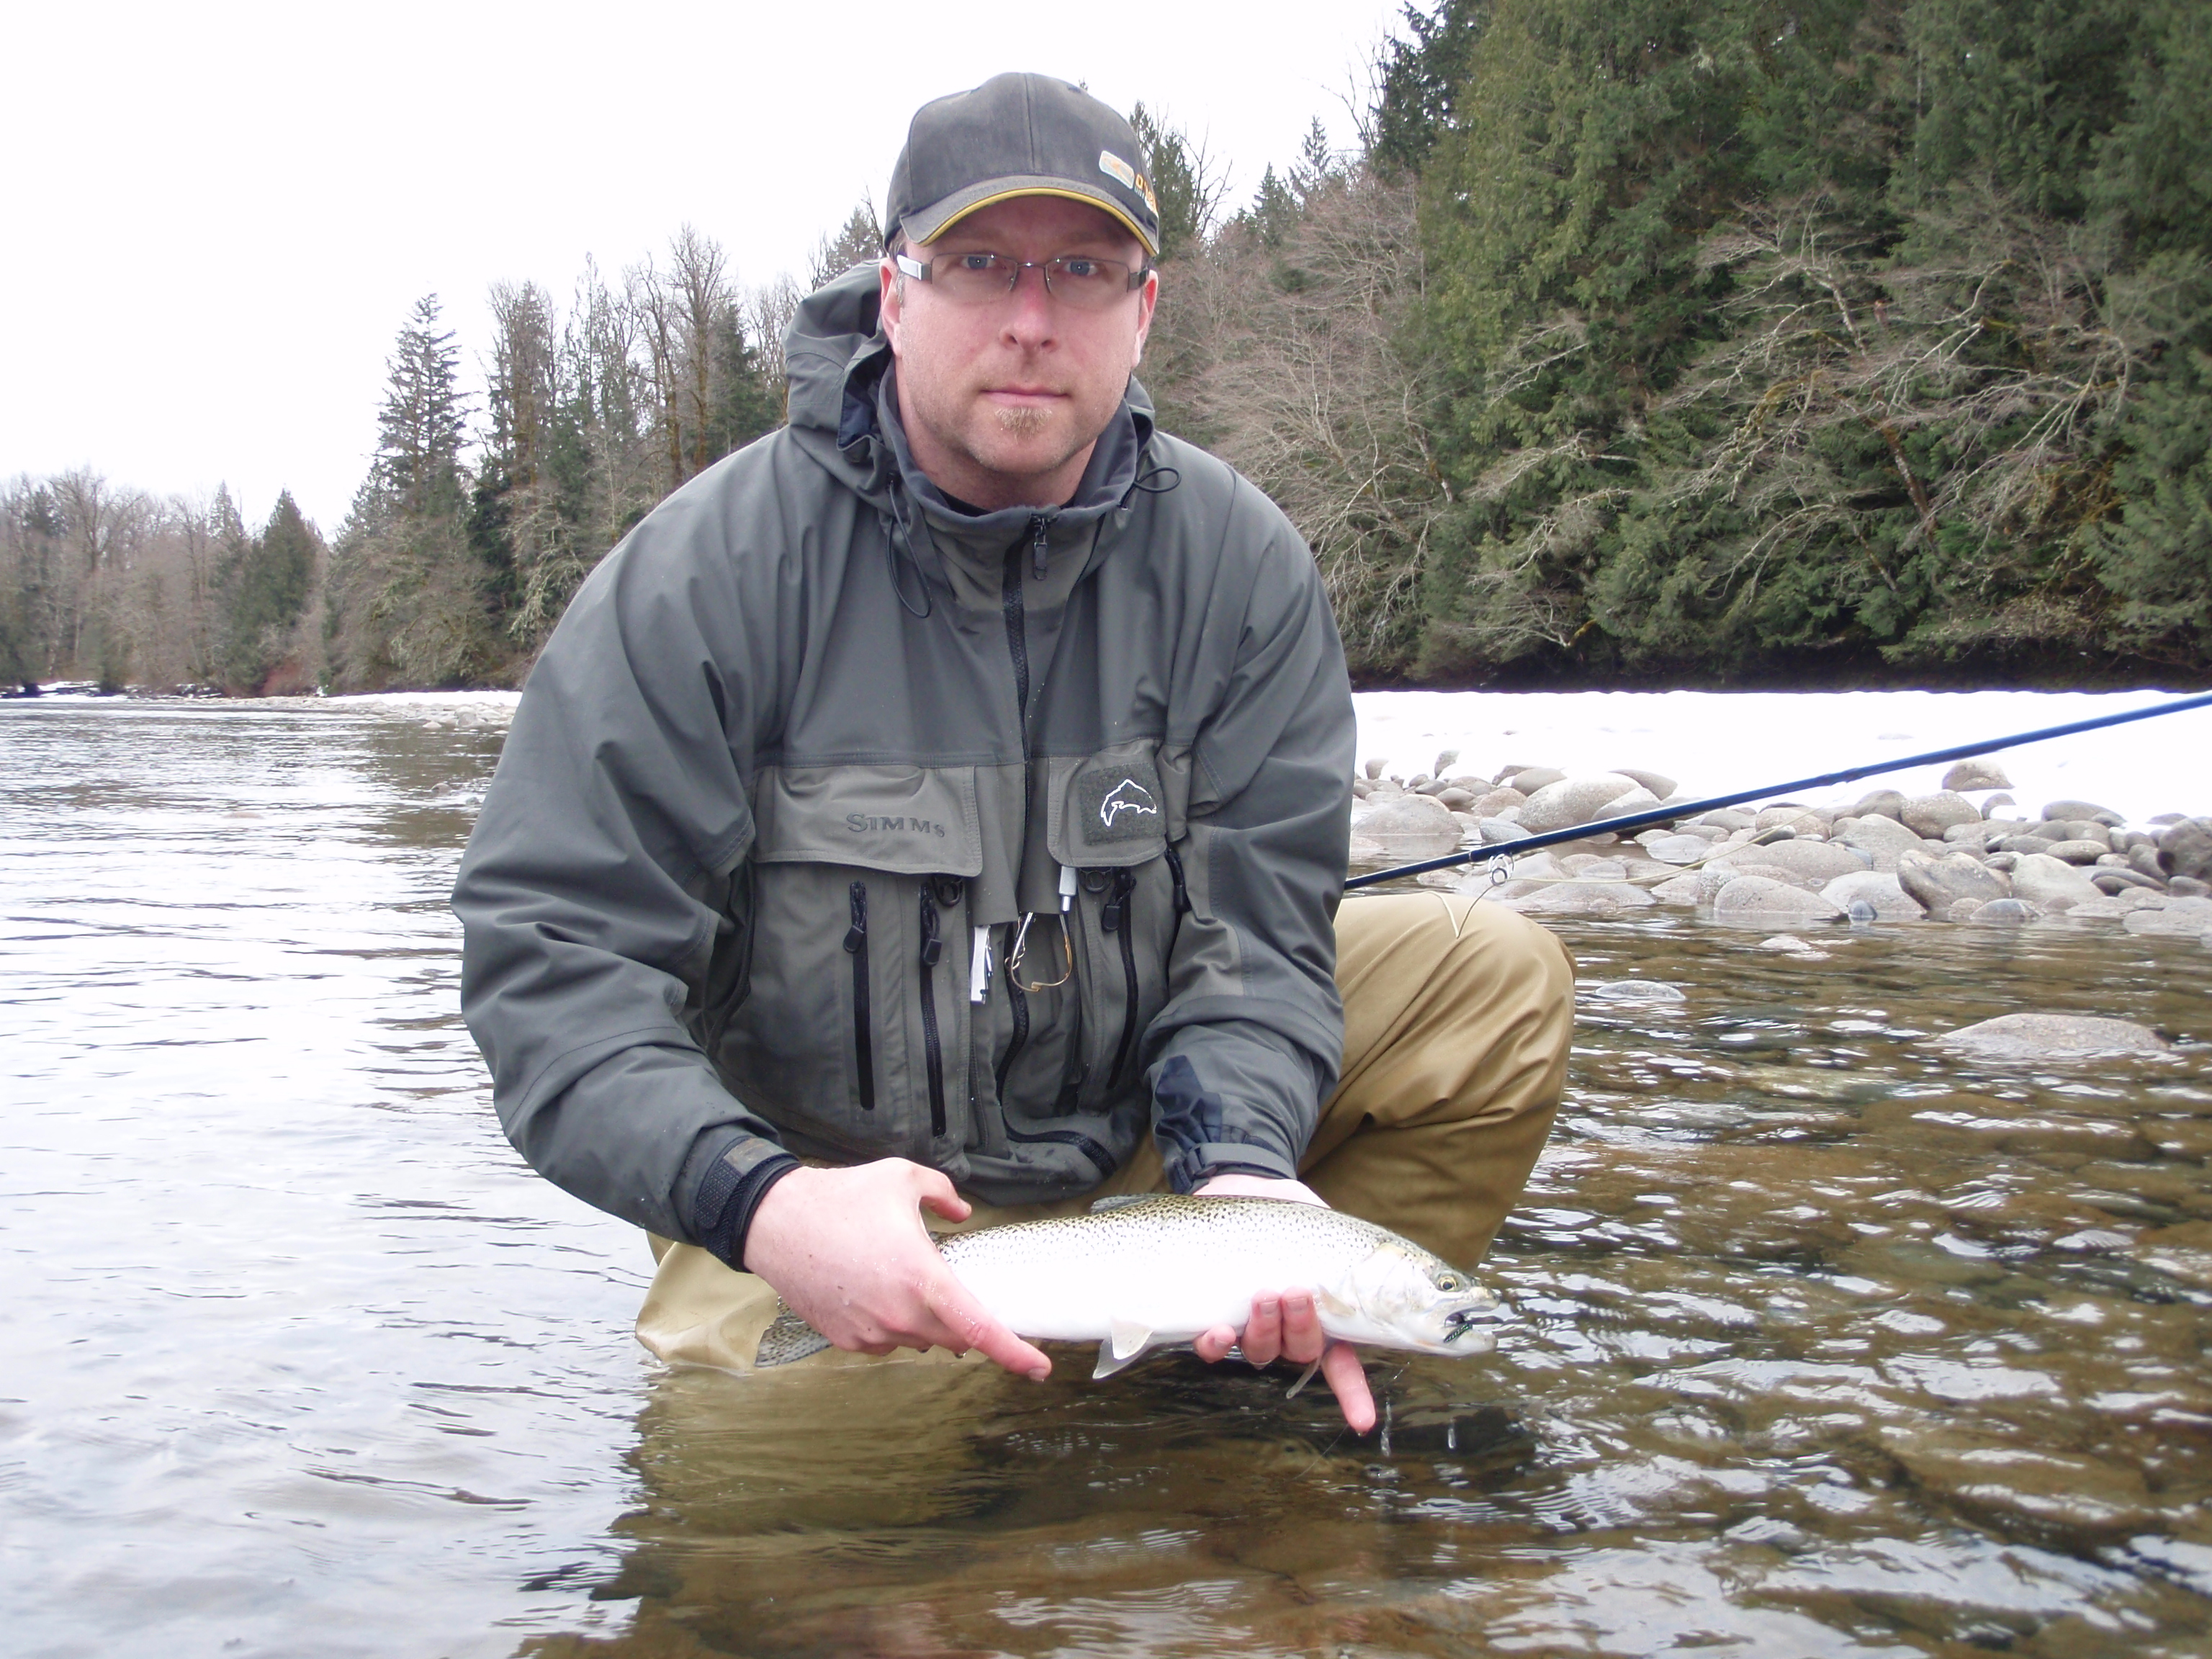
1116,918
856,947
933,952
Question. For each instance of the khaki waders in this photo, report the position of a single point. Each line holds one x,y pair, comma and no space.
1457,1021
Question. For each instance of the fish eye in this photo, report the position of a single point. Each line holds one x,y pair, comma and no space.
1450,1282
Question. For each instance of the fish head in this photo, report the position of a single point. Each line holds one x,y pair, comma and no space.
1400,1295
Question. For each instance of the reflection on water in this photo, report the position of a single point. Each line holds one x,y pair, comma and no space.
1827,1344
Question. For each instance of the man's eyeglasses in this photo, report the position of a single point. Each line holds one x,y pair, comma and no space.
1077,279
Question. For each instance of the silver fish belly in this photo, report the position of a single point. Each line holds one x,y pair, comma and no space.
1146,1272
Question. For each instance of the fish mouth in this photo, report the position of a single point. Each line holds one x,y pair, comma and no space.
1470,1322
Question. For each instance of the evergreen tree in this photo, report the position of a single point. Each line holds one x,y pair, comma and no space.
858,241
1419,80
1178,172
265,583
414,601
424,419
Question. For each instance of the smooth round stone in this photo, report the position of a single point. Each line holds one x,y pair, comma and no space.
1491,801
2010,912
1884,839
1792,944
1882,803
1576,898
1458,799
1878,891
1658,783
1729,869
1818,861
1931,814
1638,799
1570,801
1977,773
2115,878
1677,849
2083,809
1758,902
1530,779
1942,884
1416,824
2186,915
2051,1037
1794,816
2185,849
2079,852
1592,866
1496,831
2046,880
1630,990
2073,829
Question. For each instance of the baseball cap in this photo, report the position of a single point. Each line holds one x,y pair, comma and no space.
1017,135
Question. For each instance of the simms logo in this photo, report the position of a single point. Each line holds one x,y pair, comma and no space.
1127,796
861,823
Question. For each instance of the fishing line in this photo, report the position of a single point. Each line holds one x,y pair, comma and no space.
1674,813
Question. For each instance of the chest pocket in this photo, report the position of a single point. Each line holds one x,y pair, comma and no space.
852,1033
1110,821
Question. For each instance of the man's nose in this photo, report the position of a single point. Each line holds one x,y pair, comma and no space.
1029,307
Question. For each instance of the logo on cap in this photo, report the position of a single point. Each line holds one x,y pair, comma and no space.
1117,169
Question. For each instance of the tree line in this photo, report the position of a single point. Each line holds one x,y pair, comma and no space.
1674,341
1721,341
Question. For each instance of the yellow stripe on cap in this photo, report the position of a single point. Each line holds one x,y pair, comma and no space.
1101,200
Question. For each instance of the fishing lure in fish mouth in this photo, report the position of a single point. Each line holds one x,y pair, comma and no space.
1156,1270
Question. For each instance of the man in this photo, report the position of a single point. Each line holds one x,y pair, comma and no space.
944,800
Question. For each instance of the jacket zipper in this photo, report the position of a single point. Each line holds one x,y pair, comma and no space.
1018,647
1115,917
933,949
856,945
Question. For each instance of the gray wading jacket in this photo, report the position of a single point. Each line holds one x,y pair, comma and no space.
811,739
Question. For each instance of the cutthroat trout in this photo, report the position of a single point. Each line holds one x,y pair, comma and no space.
1143,1273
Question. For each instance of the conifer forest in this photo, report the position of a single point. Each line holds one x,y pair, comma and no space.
1788,342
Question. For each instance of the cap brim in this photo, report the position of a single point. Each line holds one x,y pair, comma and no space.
933,221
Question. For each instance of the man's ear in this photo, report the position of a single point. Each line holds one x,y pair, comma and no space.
888,301
1147,301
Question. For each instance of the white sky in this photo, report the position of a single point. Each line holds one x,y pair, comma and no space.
221,213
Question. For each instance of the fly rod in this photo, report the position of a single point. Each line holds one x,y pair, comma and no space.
1850,774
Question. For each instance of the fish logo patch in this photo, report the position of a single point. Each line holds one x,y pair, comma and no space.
1126,796
1117,169
1120,801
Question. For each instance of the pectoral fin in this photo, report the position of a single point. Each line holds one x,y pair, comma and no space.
1126,1342
1337,1299
1304,1378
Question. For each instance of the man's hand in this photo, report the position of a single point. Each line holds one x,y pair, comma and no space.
846,1249
1286,1324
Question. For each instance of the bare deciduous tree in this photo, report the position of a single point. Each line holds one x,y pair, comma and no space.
1293,365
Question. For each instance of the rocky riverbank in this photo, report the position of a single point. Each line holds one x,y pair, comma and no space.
1966,853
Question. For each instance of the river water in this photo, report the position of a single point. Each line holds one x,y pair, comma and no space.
1826,1344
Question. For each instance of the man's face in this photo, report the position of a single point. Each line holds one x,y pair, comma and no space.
1003,401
